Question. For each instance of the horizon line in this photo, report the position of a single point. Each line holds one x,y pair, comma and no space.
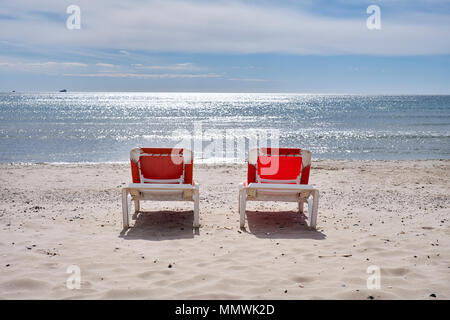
227,92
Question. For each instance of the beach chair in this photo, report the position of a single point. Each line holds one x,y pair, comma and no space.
160,174
279,174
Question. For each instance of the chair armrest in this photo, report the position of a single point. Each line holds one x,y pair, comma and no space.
157,186
275,186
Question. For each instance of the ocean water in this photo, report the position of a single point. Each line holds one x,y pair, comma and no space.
103,127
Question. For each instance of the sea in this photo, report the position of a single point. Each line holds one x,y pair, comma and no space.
92,127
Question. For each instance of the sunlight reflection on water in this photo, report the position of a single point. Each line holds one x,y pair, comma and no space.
98,127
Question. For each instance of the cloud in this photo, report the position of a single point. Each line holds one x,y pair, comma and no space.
143,75
227,27
248,79
103,70
106,65
48,66
43,64
178,66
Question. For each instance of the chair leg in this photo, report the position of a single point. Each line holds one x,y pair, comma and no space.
242,203
125,208
137,205
315,207
310,205
300,207
239,201
196,207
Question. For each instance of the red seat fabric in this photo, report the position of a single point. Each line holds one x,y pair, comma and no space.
279,167
251,171
161,167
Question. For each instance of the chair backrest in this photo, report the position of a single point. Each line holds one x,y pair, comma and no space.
279,165
278,169
161,165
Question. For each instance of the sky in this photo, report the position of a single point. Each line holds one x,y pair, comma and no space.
299,46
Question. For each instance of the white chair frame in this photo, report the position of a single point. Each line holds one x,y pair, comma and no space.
280,190
159,190
300,193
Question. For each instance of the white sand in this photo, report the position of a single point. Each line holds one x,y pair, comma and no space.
393,214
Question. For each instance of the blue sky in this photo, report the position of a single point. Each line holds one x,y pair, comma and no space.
299,46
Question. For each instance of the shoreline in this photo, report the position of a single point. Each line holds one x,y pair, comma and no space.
200,163
391,214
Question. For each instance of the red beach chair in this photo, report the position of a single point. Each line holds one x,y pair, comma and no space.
160,174
279,174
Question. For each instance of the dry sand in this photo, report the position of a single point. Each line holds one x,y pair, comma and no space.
392,214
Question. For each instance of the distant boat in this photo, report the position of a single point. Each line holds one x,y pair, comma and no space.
63,90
